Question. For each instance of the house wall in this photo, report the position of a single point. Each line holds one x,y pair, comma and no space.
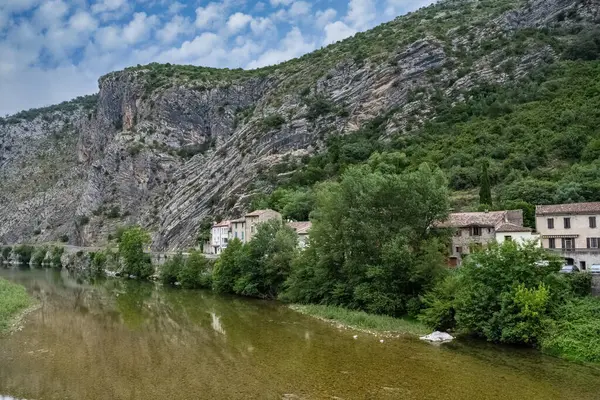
253,221
579,226
238,230
465,240
581,256
518,237
303,240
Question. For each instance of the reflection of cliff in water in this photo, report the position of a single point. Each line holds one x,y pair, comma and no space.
123,339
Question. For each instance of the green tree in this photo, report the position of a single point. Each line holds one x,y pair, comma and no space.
229,266
55,256
485,189
169,271
6,251
372,246
24,253
195,272
38,256
505,293
205,230
131,249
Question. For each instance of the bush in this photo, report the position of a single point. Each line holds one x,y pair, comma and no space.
440,305
169,271
24,253
64,238
98,263
195,272
5,253
38,256
131,250
272,122
55,256
575,335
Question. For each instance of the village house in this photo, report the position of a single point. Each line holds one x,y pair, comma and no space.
243,229
477,229
572,231
302,228
219,237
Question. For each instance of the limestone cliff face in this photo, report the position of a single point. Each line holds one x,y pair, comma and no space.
167,151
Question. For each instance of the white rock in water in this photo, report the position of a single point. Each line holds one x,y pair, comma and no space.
437,337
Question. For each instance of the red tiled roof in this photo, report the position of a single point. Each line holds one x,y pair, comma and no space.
487,219
221,224
508,227
301,227
573,208
258,213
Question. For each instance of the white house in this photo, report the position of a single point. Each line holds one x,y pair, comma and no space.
516,233
219,236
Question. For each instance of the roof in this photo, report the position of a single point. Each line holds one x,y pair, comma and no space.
508,227
258,213
301,227
221,224
488,219
572,208
234,221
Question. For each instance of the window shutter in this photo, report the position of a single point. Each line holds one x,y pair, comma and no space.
563,243
588,242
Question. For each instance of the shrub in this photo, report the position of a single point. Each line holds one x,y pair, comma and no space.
98,262
195,272
131,250
55,256
272,122
5,254
24,253
575,335
38,256
169,271
64,238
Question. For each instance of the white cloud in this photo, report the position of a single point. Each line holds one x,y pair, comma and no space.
361,14
400,7
337,31
19,5
322,18
50,13
192,50
83,22
277,3
139,28
109,38
207,16
238,22
260,6
261,25
176,7
292,45
176,27
299,8
108,5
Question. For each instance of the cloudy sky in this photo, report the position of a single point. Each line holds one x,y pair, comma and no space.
54,50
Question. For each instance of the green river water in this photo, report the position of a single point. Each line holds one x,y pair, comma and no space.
119,339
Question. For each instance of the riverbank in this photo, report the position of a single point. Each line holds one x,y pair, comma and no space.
14,303
379,325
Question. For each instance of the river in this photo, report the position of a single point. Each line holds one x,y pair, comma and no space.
118,339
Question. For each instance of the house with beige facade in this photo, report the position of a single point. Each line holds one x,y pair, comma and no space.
572,231
242,228
472,230
302,228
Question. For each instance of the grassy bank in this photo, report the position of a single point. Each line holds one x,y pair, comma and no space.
13,301
361,321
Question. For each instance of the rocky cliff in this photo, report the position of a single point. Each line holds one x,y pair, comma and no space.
166,146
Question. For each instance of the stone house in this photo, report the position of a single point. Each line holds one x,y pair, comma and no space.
571,230
257,217
302,228
243,229
476,229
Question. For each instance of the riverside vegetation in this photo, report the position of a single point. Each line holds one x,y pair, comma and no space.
13,300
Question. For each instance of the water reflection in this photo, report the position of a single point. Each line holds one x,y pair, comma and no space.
126,340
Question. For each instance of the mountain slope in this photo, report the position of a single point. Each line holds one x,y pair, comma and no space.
167,146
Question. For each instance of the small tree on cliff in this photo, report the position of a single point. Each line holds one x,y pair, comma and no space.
485,190
131,250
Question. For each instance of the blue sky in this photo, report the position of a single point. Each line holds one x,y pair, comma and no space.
54,50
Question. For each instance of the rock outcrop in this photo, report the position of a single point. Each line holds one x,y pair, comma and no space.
166,146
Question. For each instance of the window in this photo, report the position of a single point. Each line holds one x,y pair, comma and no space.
475,231
592,243
551,243
458,233
567,222
550,223
458,249
582,265
508,238
592,222
489,230
568,243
